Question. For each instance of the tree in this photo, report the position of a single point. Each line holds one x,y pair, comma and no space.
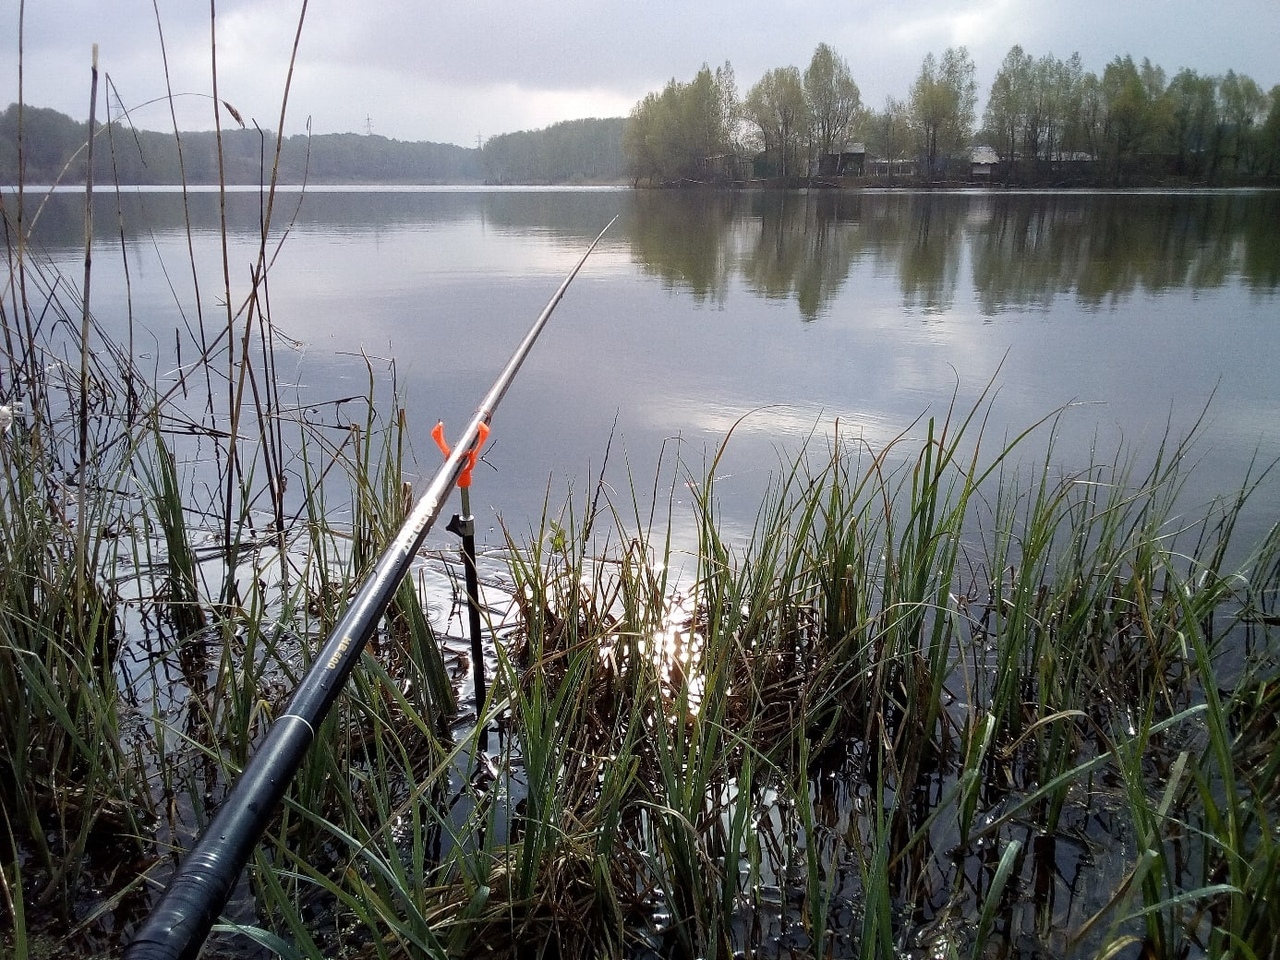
1033,110
1191,133
776,107
1064,91
1085,126
642,140
1242,106
675,134
833,100
730,116
889,130
1003,118
943,100
1270,139
1129,126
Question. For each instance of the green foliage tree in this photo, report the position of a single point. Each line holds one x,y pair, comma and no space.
943,102
777,108
889,130
1270,138
642,139
1191,135
1065,83
1086,129
1004,122
1049,119
1129,126
833,100
1033,114
1242,108
678,133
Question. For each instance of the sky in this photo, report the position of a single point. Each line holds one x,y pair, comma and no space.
457,71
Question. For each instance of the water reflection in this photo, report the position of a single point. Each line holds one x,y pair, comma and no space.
1102,248
802,247
1024,249
686,239
1143,305
930,252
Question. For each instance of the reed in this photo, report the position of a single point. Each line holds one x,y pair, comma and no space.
745,638
64,774
161,584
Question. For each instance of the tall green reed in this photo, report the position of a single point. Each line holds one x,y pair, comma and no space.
109,516
662,735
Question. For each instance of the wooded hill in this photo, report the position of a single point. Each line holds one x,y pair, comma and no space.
53,146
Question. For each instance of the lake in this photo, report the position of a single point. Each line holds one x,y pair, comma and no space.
781,312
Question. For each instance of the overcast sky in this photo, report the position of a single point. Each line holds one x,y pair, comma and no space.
454,70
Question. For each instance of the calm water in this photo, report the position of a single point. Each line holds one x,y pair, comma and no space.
789,311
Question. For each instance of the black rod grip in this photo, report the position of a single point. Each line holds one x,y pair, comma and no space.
177,928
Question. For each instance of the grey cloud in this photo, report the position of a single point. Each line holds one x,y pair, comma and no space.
445,70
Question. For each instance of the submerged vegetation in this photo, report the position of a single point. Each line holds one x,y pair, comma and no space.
944,700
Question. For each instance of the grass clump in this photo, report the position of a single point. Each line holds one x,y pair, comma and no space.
923,707
169,557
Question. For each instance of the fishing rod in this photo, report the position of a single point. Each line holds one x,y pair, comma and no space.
177,926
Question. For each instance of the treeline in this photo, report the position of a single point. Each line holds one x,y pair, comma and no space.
1133,121
577,151
1046,120
53,147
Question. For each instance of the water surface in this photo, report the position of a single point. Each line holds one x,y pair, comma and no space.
782,313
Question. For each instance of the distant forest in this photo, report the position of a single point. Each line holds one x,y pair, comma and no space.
576,151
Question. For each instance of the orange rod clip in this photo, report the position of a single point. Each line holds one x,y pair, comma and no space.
437,434
482,434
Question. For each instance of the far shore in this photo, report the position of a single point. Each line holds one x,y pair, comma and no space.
825,184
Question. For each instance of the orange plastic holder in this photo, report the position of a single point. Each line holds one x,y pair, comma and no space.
482,434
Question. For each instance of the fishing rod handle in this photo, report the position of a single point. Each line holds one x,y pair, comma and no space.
176,929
